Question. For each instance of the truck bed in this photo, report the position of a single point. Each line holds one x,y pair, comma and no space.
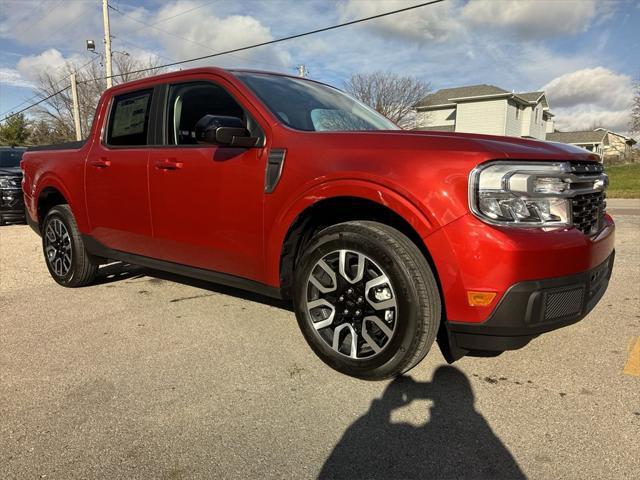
58,146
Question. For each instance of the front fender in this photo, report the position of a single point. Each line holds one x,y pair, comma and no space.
363,189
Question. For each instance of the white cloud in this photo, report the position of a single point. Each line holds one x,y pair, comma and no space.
206,33
13,78
450,44
528,19
55,21
51,61
570,120
436,23
591,86
591,97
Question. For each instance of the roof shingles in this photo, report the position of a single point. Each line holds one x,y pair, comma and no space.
447,95
443,96
588,136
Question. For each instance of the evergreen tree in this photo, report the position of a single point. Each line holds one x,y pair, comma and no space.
15,130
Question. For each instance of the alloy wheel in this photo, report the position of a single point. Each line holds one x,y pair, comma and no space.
351,304
57,247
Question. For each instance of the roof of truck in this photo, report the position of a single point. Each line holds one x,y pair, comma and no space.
229,72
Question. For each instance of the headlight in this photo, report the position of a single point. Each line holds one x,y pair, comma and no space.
5,183
528,194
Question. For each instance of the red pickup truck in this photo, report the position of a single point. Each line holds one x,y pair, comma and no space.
385,240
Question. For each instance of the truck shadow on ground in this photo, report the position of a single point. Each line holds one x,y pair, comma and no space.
456,442
117,271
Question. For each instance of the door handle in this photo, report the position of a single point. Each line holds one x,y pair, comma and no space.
101,163
168,164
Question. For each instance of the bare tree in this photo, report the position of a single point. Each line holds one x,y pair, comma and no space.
390,94
56,112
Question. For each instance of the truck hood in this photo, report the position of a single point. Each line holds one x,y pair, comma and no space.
10,171
516,147
495,147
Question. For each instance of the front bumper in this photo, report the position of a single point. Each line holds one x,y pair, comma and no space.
12,206
530,308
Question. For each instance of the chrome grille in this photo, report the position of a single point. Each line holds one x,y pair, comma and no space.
588,210
14,182
586,167
587,207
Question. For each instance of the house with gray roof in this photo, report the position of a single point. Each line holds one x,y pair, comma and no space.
485,109
611,146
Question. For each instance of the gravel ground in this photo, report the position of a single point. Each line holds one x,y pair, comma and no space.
147,375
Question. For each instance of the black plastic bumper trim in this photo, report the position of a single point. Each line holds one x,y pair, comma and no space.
32,223
523,312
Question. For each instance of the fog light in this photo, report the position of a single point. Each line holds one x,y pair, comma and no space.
480,299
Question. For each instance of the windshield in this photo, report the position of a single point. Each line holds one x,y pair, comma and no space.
311,106
10,158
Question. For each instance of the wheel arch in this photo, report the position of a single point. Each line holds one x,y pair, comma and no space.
48,198
331,210
51,191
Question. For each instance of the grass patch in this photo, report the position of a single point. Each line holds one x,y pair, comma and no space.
624,181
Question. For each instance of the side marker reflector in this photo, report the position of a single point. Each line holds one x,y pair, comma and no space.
480,299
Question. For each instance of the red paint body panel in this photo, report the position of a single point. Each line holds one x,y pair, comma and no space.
208,212
118,209
212,212
471,255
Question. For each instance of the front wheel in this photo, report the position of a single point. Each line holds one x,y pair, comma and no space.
366,300
65,255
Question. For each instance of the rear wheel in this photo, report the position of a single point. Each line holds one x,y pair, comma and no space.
366,300
65,255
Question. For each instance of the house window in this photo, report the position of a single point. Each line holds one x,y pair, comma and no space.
517,112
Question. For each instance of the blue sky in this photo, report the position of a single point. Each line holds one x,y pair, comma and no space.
584,53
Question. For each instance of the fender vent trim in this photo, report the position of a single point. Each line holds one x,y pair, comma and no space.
275,164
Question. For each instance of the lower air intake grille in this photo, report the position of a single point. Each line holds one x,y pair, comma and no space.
563,303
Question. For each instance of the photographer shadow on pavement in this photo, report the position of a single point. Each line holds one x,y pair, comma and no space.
456,442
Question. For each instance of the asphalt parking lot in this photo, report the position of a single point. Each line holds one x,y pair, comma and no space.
147,375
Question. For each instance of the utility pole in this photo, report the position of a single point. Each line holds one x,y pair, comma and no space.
107,42
76,106
302,71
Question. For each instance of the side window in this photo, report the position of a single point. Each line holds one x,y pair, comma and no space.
129,119
189,102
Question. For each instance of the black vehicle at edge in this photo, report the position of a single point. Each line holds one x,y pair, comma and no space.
11,198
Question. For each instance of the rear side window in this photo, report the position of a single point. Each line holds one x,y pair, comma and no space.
129,119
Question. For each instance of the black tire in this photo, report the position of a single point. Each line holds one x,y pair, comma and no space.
411,282
82,268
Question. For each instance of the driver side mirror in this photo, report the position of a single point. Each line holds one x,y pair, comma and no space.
224,131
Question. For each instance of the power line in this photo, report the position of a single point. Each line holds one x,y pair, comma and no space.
183,12
37,103
292,37
153,25
53,85
32,24
248,47
142,49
